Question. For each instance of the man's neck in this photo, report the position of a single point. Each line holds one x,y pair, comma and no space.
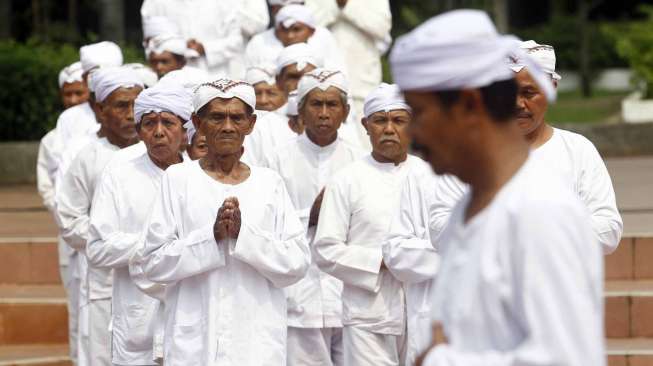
540,135
396,160
225,168
321,142
163,165
118,141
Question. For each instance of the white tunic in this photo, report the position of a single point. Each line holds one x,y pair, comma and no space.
270,132
46,167
315,301
224,303
359,205
121,207
411,254
76,121
521,283
221,26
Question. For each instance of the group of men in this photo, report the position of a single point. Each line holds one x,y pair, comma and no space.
230,215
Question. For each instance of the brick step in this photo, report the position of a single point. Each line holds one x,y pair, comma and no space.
35,355
633,260
630,352
33,315
32,261
629,309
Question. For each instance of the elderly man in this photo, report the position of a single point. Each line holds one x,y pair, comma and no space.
167,53
358,206
295,24
519,235
224,237
314,306
121,207
217,30
115,91
269,96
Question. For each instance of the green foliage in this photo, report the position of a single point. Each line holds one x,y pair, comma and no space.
29,94
634,42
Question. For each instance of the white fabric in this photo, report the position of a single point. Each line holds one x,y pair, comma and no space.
458,49
188,76
270,133
521,282
321,79
169,43
356,214
108,79
305,167
170,97
315,346
224,89
410,254
222,27
294,13
70,74
96,347
46,168
154,26
301,54
102,54
543,54
261,74
386,97
121,207
75,121
291,106
146,75
365,348
211,317
285,2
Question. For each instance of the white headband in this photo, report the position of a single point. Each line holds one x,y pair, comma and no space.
260,74
294,13
164,98
321,79
158,25
543,54
146,75
70,74
224,89
102,54
299,53
109,79
455,50
386,97
170,43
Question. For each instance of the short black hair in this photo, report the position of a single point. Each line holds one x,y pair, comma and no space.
499,98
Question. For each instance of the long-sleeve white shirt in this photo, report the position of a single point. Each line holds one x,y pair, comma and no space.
76,121
358,207
220,26
521,282
46,168
225,303
315,301
411,254
120,210
575,159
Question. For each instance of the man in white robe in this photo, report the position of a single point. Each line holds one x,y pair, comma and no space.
121,207
217,30
269,97
168,52
291,64
314,304
359,204
116,89
225,239
521,276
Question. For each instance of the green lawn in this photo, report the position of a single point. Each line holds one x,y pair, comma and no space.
571,107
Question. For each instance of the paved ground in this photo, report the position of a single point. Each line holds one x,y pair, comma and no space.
22,213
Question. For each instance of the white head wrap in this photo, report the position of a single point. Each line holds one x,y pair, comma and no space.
164,98
285,2
170,43
299,53
70,74
291,108
386,97
322,79
294,13
260,74
147,76
225,89
102,54
455,50
543,54
108,79
158,25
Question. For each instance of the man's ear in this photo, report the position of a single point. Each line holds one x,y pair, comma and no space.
252,122
197,122
364,123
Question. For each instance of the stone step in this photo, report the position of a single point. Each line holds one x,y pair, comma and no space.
33,261
630,352
633,260
33,315
35,355
629,309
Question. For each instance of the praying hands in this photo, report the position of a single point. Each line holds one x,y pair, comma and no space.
227,222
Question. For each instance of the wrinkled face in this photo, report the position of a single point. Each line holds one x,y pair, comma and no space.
198,147
268,97
117,112
225,123
73,94
296,33
163,135
289,77
165,62
389,133
323,112
531,103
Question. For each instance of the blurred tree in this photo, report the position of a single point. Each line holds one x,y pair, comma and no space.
112,20
5,16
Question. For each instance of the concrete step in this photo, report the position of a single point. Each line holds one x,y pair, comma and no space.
629,309
633,260
33,261
33,315
630,352
35,355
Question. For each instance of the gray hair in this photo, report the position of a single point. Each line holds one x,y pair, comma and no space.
343,99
